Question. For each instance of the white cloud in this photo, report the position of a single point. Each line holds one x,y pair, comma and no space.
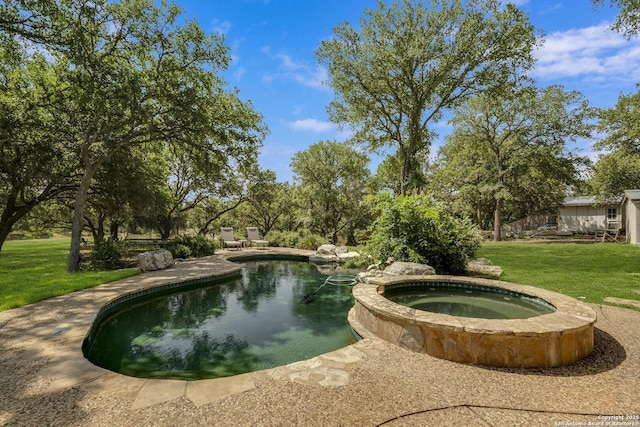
239,73
312,125
290,69
221,27
596,53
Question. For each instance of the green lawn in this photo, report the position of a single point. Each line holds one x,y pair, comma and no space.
34,270
590,272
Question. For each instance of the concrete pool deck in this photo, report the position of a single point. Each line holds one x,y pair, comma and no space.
45,380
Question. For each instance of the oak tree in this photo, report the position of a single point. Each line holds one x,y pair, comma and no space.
411,60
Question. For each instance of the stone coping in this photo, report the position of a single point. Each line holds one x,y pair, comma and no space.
561,337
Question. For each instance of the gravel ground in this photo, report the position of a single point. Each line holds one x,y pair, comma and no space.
393,388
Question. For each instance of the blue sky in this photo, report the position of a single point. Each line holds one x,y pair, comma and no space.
273,44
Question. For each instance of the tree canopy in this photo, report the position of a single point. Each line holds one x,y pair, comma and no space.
513,149
628,20
411,60
332,178
128,76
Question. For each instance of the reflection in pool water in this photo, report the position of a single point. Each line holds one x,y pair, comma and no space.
255,322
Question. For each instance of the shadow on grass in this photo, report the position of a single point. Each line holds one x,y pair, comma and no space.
607,354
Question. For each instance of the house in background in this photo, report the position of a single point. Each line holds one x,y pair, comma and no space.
631,214
582,215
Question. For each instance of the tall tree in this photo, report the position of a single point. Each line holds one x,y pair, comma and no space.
412,59
621,125
614,173
133,181
134,77
37,164
618,170
514,148
267,201
332,178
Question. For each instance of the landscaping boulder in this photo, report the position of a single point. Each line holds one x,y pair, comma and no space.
327,250
402,268
341,250
155,260
346,256
482,267
323,258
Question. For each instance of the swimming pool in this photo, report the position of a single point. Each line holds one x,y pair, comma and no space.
256,321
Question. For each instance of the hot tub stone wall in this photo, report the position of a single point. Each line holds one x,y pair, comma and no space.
553,339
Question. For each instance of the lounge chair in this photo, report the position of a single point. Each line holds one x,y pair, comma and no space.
228,241
254,237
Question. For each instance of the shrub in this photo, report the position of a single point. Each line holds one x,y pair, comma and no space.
416,229
179,250
197,246
302,239
108,255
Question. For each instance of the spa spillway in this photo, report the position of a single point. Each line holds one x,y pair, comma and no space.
558,332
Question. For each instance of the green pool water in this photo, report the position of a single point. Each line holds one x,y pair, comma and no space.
467,300
257,321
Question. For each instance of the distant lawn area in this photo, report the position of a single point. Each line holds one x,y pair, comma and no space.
35,270
589,271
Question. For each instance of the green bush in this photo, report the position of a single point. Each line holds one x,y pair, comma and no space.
186,246
302,239
179,250
416,229
108,255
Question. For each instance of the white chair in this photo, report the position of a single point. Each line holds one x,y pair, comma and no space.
254,237
228,241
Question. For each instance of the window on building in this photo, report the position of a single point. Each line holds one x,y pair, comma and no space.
612,214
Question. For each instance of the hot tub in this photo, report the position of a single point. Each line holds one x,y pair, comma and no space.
561,336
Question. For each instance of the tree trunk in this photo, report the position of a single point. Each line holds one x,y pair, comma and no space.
165,232
11,215
113,230
496,222
5,229
73,263
404,174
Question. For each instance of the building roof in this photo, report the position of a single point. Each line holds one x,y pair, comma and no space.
632,194
592,200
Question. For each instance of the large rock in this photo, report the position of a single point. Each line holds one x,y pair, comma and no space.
155,260
323,258
327,250
482,267
341,250
346,256
402,268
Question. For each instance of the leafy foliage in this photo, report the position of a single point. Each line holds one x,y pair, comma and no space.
614,173
416,229
108,255
186,246
510,153
302,239
410,60
628,20
332,177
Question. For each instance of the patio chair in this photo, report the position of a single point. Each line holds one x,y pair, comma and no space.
254,237
228,241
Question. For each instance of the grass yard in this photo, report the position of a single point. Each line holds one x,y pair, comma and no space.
34,270
589,272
